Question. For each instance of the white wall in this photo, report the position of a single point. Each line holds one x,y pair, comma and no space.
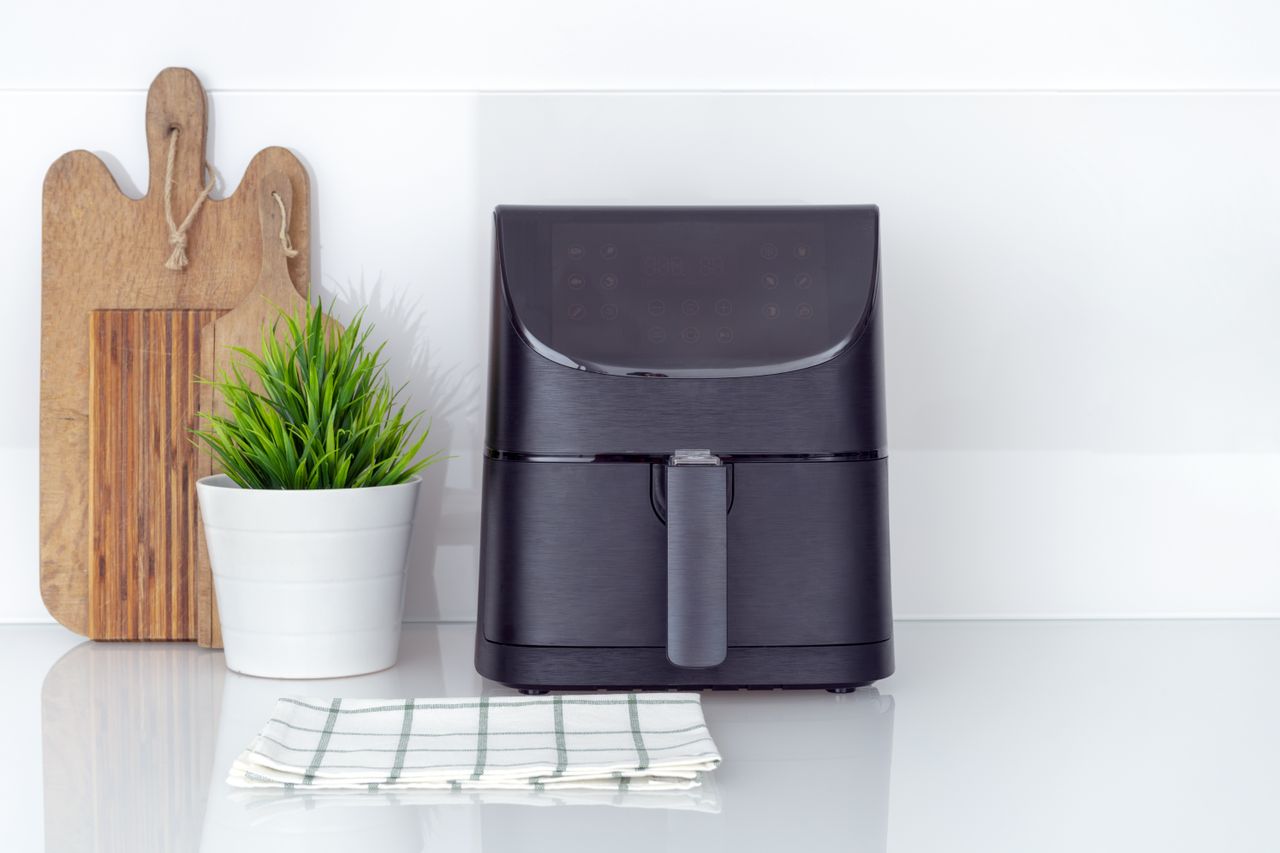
1080,207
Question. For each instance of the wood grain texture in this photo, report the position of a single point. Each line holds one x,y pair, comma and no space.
104,251
243,327
142,509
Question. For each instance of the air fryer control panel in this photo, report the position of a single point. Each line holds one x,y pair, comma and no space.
687,291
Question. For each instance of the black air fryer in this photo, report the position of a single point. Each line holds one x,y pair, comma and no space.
685,472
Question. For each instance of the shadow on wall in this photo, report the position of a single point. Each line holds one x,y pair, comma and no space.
450,395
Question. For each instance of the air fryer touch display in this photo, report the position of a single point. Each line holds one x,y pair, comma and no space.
689,294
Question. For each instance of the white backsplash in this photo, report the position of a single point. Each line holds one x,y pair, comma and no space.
1081,288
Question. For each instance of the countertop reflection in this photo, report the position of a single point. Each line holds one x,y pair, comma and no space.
137,740
993,736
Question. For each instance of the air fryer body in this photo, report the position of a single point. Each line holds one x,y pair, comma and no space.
685,482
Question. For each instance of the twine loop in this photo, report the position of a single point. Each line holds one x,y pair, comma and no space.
178,232
285,243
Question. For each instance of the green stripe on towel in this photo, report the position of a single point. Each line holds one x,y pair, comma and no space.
323,743
642,754
405,729
562,761
482,740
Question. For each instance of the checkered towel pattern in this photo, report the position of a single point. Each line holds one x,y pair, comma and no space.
633,741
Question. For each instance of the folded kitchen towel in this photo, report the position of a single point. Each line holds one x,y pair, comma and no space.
265,806
633,741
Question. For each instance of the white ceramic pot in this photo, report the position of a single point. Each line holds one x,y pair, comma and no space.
310,583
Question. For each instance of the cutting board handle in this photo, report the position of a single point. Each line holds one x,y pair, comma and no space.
176,100
276,216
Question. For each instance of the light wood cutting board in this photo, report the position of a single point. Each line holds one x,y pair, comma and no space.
242,327
118,522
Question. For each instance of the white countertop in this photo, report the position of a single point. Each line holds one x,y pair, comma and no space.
993,736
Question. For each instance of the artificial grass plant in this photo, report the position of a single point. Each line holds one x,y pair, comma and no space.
313,410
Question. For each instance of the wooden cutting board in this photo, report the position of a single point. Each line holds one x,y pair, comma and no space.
120,340
242,327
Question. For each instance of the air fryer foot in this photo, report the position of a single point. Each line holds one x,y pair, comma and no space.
841,690
530,691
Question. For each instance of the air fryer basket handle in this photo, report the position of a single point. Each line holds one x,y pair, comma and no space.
696,559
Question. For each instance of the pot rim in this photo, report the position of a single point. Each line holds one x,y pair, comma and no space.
224,481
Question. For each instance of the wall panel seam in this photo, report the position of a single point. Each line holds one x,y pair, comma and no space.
17,90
